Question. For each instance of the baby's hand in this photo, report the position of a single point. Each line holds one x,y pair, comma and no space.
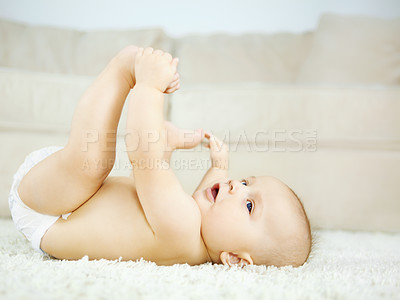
156,69
174,85
218,151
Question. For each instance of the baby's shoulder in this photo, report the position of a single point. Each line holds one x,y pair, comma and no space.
187,248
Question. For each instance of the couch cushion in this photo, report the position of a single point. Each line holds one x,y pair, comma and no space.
353,189
36,111
349,49
39,101
223,58
338,148
356,117
50,49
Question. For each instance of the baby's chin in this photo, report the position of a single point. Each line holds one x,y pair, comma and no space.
197,197
201,200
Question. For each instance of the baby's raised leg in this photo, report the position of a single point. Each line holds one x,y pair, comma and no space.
68,178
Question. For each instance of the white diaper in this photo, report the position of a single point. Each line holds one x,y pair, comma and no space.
31,223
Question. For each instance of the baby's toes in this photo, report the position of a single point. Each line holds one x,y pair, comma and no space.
168,56
148,50
158,52
140,51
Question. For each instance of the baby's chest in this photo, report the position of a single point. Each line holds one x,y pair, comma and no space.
118,221
112,224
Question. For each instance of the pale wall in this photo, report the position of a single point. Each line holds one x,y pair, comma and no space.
180,17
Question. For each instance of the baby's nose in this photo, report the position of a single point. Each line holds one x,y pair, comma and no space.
234,186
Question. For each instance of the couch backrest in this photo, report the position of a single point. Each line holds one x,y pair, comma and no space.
67,51
222,58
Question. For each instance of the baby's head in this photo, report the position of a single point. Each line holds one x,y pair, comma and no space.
257,220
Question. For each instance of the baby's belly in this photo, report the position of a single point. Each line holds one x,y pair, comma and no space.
109,225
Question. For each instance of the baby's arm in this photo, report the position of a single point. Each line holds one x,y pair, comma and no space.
219,162
165,204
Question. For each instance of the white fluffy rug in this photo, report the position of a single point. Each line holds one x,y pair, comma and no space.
343,265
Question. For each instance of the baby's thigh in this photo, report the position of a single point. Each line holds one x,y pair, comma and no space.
57,184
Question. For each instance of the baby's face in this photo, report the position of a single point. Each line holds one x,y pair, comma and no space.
243,215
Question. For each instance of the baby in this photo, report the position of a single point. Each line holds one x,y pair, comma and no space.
63,201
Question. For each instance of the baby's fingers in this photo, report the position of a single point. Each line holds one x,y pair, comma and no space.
175,81
176,77
215,144
174,85
174,64
173,88
220,145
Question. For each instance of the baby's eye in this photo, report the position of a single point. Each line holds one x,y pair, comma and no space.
249,205
244,182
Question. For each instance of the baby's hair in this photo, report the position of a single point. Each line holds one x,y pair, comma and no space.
305,217
289,254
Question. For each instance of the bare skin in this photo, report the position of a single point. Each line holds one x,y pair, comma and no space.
148,215
107,219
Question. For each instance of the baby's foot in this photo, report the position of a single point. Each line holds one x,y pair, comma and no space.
182,138
157,68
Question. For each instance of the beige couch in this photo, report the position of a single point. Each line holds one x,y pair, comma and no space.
319,110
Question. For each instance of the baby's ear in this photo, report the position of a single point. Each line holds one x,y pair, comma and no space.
230,258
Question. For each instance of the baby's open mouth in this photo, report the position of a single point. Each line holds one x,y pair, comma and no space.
212,193
215,190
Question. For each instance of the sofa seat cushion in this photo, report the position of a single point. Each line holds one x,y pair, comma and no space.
350,117
352,189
